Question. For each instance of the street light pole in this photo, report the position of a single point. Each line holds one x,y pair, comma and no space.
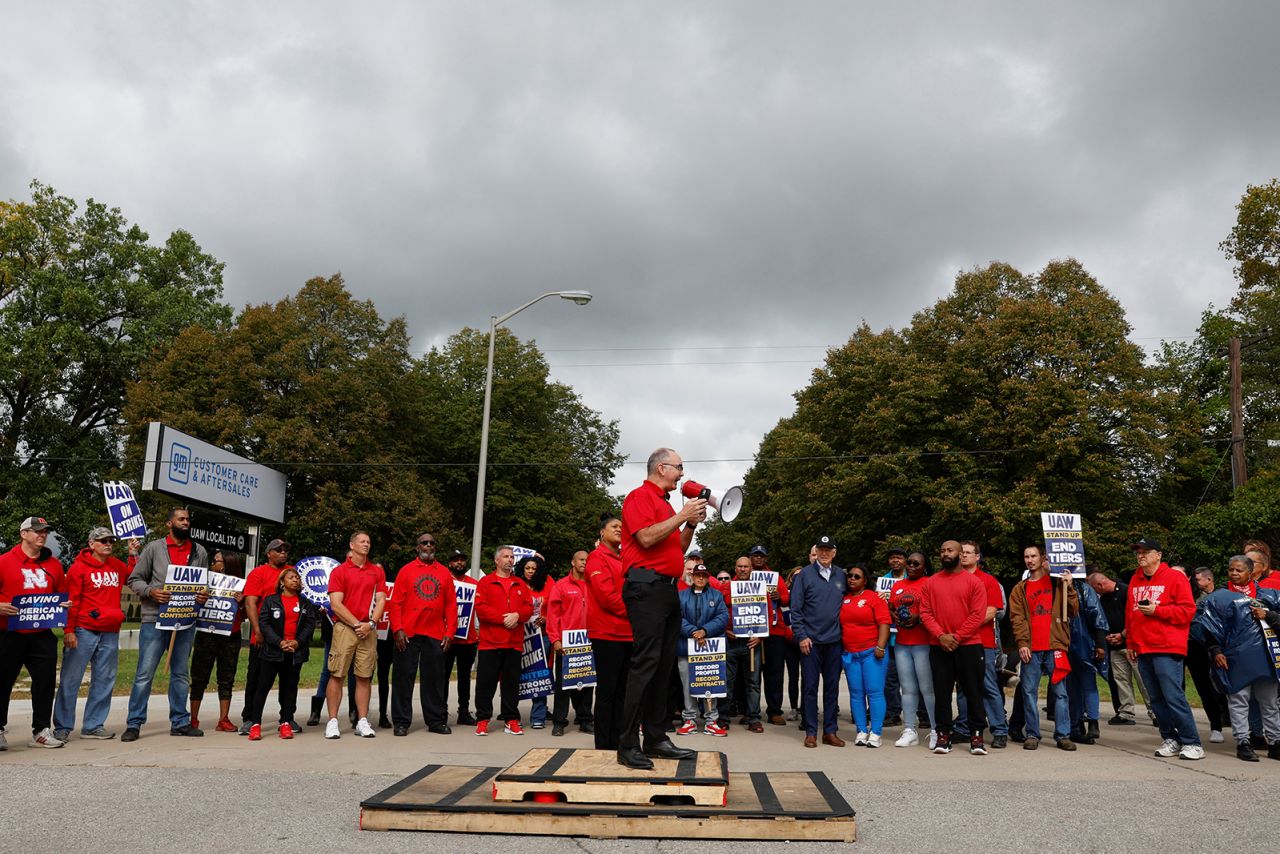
578,298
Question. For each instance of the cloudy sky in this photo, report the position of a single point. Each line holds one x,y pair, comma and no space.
738,184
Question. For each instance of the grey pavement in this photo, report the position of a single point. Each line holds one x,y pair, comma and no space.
224,793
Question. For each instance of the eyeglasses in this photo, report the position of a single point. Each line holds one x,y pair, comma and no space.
678,466
426,542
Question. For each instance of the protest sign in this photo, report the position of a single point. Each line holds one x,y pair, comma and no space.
521,552
39,611
123,510
466,598
577,661
1064,543
218,614
384,625
314,572
708,669
884,586
769,577
182,583
750,611
535,675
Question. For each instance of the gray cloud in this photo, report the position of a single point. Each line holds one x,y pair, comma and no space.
723,174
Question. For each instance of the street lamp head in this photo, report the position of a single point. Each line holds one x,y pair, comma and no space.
578,297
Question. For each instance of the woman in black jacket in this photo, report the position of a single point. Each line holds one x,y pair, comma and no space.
286,621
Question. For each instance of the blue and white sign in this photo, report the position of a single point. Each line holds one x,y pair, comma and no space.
218,613
749,610
315,572
708,668
465,595
535,675
183,584
577,661
1063,543
123,510
39,611
184,466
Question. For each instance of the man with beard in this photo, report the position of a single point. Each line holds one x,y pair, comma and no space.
147,580
260,584
461,652
953,606
424,617
1035,610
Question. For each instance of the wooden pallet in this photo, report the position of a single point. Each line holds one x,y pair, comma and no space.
595,777
790,805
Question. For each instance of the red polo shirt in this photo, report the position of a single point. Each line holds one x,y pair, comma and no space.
647,505
358,585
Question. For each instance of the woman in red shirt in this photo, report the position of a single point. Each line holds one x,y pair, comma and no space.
864,628
911,650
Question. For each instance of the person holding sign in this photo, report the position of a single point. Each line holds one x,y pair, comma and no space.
817,592
1239,625
29,569
748,605
1160,614
287,622
702,615
148,578
1043,636
953,607
504,604
213,649
461,652
774,651
424,617
261,583
567,610
91,637
357,596
864,634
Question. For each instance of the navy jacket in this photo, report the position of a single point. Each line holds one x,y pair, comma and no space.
815,604
1224,623
705,610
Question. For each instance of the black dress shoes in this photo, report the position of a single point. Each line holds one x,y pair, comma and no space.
440,729
666,750
631,757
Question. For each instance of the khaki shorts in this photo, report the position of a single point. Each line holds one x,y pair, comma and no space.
346,649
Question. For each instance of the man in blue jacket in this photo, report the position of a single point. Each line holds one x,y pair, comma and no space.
816,595
703,615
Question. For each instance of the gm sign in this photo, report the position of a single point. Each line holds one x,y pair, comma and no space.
179,463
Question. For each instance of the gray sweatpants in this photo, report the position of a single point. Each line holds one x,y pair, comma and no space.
691,706
1266,692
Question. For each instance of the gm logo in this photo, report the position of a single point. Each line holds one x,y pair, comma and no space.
179,463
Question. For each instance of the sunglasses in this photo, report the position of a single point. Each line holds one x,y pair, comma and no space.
724,577
426,542
854,576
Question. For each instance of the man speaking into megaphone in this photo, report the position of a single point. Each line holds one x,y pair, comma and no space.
654,540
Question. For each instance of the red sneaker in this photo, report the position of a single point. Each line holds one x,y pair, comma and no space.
513,728
255,732
225,725
687,728
286,731
482,728
713,728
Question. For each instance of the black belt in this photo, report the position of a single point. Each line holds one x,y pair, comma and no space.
645,575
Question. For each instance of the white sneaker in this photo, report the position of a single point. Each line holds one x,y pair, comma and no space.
1215,736
933,739
873,740
1168,748
331,729
907,739
46,738
861,740
364,730
1192,751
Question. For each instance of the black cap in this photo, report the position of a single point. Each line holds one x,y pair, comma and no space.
824,542
702,567
758,549
893,552
1148,543
457,553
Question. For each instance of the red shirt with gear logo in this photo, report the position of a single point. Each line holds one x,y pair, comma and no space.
423,601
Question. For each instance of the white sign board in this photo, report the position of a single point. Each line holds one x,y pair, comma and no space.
183,466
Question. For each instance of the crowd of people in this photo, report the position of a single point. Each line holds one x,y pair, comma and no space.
937,653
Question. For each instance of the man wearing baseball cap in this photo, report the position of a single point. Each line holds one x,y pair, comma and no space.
29,568
1160,612
260,584
817,592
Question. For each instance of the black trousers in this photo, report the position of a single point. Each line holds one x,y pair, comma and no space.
493,667
268,671
654,611
422,657
613,663
251,678
386,655
38,652
775,665
210,650
965,667
464,656
580,697
793,673
1215,705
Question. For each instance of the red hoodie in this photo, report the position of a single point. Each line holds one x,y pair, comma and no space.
21,575
496,596
94,587
566,607
953,603
1166,630
423,601
606,613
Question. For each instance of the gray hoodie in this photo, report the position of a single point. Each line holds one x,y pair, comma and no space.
150,570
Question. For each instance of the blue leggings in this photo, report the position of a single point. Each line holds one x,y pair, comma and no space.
866,674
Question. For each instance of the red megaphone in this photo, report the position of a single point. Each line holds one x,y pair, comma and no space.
728,505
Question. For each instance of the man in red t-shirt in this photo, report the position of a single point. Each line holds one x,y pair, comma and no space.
260,584
1035,610
357,596
424,617
654,540
997,720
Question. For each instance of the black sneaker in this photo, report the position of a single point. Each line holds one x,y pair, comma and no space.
1258,742
587,727
557,729
1017,735
976,747
944,743
1273,752
466,719
893,720
130,734
1244,750
1119,721
999,742
187,731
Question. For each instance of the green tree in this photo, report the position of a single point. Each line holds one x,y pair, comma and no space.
85,300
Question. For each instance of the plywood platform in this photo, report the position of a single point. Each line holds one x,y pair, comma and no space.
595,777
792,805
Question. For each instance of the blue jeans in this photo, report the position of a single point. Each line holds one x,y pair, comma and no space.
538,712
1041,665
1082,692
821,664
993,700
866,676
1162,673
917,681
101,650
152,644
